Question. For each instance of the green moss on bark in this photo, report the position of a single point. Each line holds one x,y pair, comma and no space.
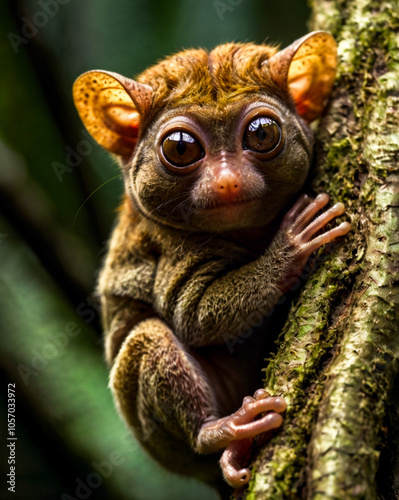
338,357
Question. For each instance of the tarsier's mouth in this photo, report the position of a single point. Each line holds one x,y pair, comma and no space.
218,203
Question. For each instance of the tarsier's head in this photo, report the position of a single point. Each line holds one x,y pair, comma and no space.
213,141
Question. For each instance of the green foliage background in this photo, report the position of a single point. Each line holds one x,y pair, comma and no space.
54,223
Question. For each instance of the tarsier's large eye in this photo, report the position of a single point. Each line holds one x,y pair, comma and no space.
181,149
262,135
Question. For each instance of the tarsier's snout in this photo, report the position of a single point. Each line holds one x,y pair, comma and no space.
226,181
227,184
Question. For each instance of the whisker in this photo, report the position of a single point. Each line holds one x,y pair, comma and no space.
185,196
90,195
182,204
181,195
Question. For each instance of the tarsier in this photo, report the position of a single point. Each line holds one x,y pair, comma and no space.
214,148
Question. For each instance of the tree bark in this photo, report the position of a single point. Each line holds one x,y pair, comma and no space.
337,360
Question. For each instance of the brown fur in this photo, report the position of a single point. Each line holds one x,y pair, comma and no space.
194,76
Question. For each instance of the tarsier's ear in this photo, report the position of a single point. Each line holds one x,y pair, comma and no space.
111,107
307,69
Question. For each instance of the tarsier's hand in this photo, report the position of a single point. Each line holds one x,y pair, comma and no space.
300,228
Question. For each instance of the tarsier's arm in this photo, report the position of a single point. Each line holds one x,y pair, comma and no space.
254,287
226,133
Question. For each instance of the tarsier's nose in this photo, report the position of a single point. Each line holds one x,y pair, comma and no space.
227,184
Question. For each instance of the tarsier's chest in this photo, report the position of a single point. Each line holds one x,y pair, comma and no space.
183,276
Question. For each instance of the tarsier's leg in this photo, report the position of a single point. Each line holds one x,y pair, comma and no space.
157,383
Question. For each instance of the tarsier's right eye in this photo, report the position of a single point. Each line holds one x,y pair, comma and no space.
262,135
181,149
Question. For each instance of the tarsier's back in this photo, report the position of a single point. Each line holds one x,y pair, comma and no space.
213,148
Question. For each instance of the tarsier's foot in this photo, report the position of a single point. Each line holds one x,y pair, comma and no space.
235,433
301,227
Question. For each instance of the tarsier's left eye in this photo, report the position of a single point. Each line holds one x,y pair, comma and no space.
262,135
181,149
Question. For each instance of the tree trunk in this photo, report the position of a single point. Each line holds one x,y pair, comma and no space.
337,360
